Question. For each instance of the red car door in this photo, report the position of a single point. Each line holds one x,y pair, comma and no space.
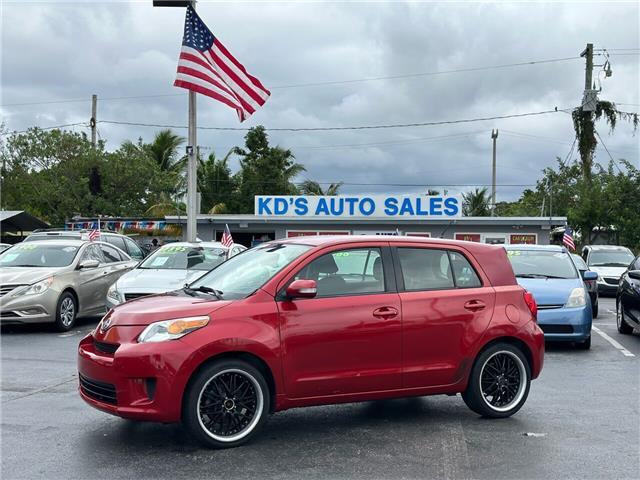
348,338
445,309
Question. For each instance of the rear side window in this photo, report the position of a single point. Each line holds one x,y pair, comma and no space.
116,241
111,255
425,269
463,273
134,250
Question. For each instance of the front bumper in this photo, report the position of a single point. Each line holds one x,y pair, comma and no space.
606,288
38,308
566,324
137,381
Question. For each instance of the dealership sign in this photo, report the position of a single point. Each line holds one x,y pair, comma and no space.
359,206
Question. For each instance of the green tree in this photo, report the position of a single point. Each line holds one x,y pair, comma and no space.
476,203
310,187
216,184
264,170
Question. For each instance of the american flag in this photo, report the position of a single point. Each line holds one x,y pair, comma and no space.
94,234
206,66
227,239
567,239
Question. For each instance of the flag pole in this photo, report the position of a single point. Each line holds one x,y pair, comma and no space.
192,167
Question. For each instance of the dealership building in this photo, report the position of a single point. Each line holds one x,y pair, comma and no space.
381,215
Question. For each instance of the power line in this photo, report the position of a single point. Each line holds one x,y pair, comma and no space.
54,127
391,142
315,84
607,150
326,129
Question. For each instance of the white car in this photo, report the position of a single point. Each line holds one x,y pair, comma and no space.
609,262
169,268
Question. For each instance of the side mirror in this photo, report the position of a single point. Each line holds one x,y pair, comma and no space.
635,274
87,264
589,275
302,289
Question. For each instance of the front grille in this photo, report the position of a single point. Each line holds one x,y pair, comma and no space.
4,289
557,328
103,392
550,307
106,347
611,281
133,296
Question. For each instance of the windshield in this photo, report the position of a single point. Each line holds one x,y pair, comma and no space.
177,257
33,255
244,274
610,258
541,264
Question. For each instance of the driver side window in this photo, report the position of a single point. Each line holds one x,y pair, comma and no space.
92,252
346,272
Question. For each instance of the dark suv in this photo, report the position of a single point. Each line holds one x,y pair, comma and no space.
123,242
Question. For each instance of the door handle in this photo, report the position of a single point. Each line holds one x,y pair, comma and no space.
385,312
474,305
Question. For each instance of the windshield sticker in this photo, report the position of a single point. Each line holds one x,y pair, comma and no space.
9,257
25,247
159,261
342,254
69,249
176,249
514,253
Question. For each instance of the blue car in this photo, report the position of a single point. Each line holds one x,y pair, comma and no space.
564,308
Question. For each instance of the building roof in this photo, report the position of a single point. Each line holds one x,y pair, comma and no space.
249,218
19,221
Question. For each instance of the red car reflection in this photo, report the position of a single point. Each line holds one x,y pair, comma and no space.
318,320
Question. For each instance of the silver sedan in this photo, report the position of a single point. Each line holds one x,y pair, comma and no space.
58,280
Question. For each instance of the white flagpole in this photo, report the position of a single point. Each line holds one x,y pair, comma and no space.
192,168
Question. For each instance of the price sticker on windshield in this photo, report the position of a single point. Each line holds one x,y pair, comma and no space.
175,249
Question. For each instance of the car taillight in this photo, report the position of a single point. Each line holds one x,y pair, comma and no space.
531,303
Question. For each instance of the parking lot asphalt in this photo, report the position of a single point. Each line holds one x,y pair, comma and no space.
581,421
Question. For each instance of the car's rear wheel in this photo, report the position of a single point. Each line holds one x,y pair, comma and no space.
226,403
499,381
623,326
66,312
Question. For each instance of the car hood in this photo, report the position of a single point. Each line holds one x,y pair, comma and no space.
25,275
166,306
550,291
152,280
614,272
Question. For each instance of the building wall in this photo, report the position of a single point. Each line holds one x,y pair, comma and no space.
211,231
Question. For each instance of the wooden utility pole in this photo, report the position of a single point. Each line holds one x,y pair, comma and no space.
94,119
588,72
494,136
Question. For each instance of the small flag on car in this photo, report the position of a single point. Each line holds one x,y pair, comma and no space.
227,239
567,238
95,233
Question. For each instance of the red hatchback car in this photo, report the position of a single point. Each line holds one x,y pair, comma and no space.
313,321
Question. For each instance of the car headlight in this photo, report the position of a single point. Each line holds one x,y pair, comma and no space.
172,329
113,294
577,298
36,288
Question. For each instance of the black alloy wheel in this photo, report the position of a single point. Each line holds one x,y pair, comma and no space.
226,403
499,382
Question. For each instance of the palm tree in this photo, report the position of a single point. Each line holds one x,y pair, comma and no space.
164,150
309,187
476,203
165,206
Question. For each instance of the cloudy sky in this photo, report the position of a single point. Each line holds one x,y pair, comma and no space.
56,54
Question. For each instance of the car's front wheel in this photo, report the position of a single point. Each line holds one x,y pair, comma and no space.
623,326
66,312
499,382
226,403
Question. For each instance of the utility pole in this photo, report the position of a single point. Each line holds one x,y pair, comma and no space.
494,136
93,122
588,72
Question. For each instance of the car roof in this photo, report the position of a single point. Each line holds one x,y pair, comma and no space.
71,242
326,240
541,248
197,244
608,247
